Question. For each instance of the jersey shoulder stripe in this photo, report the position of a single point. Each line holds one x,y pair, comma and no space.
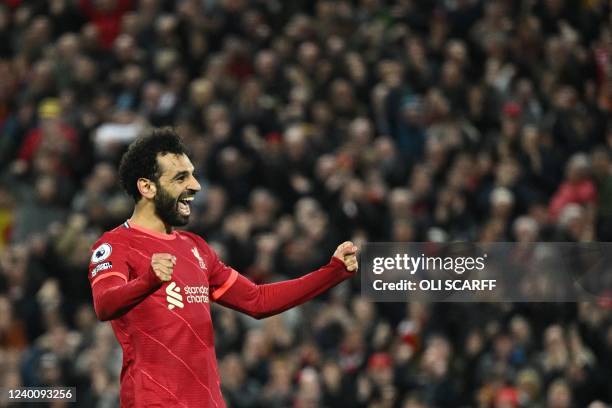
228,284
108,275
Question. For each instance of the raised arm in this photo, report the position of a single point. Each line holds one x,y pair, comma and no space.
114,295
261,301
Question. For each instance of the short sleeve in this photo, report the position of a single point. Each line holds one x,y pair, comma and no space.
109,257
221,277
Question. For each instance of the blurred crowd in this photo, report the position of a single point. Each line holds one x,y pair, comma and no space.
311,122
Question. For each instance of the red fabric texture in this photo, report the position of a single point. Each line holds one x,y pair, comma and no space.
113,297
261,301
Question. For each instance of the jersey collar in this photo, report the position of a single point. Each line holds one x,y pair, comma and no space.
147,231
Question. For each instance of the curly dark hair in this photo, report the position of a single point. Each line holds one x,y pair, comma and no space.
140,159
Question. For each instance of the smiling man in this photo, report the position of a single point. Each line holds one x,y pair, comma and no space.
155,284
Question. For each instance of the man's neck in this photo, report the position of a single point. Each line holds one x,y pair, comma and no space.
144,216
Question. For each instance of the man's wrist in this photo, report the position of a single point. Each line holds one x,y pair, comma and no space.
338,263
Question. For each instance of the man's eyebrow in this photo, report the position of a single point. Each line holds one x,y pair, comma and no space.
180,174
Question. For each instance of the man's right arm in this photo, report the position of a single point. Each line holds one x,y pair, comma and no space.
113,293
114,297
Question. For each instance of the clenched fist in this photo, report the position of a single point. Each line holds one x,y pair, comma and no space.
163,265
347,253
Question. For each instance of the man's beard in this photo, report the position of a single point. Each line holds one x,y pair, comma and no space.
166,208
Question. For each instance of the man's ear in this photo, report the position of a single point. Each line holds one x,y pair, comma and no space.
146,188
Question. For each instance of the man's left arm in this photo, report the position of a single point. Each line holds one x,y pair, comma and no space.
261,301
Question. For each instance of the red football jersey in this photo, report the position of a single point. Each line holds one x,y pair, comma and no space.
167,339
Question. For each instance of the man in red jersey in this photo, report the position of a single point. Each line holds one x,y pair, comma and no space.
155,284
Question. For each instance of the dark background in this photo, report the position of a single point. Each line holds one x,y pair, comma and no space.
312,122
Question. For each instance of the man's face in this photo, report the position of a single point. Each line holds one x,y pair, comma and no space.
176,188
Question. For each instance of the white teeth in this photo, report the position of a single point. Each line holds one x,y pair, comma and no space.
188,199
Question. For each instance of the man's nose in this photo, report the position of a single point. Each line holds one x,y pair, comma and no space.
194,184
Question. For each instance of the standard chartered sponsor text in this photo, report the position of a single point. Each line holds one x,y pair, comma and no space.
196,294
412,264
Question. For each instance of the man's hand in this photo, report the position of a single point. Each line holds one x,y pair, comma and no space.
163,265
347,253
